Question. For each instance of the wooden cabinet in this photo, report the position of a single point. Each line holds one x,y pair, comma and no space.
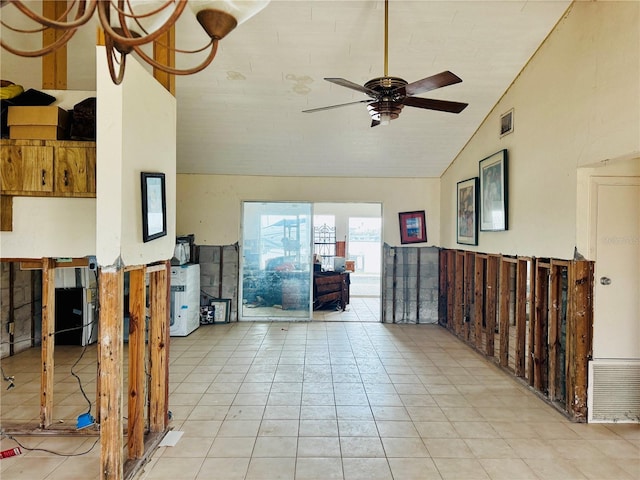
48,168
26,168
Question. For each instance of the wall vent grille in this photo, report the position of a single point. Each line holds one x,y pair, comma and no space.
614,391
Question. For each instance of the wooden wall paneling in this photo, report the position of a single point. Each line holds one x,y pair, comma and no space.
582,289
521,317
504,299
458,294
111,371
48,341
469,266
159,293
478,299
137,375
491,303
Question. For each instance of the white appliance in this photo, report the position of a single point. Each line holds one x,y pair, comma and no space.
185,299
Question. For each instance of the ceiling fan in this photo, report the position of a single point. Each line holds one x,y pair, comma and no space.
390,94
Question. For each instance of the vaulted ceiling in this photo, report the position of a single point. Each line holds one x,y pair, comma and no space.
243,114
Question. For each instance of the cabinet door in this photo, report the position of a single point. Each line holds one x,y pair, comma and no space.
75,170
26,169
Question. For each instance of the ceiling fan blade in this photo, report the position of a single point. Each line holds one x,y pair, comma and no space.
431,104
319,109
374,123
353,86
440,80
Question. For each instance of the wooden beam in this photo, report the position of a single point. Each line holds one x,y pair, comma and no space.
137,375
159,292
164,53
521,317
504,298
54,65
6,213
48,341
478,299
110,372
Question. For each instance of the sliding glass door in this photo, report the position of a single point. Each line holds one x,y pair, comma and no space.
276,261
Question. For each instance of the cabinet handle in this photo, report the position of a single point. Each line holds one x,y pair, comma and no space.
44,178
66,178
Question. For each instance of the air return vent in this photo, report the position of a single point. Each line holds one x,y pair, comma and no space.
614,391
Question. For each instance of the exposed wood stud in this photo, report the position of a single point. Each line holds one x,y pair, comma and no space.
583,334
478,299
451,276
159,294
555,291
532,321
469,266
458,293
491,303
164,53
504,302
521,317
54,65
137,376
48,341
111,281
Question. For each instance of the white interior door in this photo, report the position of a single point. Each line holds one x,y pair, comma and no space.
616,206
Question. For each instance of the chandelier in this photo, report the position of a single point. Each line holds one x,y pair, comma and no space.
129,24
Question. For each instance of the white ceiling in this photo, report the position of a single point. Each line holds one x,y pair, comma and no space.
243,114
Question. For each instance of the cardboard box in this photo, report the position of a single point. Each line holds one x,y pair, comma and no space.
38,123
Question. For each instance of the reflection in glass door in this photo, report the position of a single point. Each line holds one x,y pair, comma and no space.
276,261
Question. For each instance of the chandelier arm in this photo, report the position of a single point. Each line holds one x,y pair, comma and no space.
128,39
116,79
83,14
175,71
42,28
43,51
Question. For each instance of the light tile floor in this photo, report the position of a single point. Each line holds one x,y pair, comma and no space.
325,400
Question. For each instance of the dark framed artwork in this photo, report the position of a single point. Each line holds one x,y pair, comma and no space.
493,192
467,216
506,123
413,227
154,206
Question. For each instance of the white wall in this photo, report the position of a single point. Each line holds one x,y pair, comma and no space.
210,205
576,103
136,133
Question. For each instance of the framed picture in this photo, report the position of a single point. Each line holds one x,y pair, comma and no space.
493,192
467,216
222,310
154,206
506,123
413,227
